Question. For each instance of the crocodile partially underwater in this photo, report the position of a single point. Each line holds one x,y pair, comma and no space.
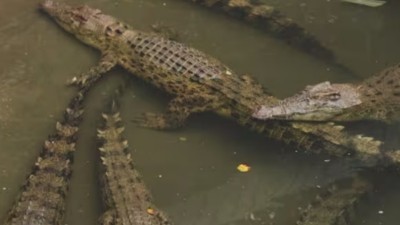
198,82
126,198
42,201
337,204
270,19
376,98
128,201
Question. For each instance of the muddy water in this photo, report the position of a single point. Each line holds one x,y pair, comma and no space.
191,171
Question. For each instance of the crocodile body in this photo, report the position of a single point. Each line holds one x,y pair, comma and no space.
127,200
376,98
197,82
42,201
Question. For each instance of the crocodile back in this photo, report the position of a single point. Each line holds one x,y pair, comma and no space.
42,200
126,197
182,70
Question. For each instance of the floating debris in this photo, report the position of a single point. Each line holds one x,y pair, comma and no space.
150,211
182,138
243,168
370,3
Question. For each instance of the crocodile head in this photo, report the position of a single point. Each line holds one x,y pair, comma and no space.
318,102
87,24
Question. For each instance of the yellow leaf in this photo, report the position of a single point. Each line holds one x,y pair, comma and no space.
243,168
150,211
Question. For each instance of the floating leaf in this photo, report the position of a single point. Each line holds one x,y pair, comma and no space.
243,168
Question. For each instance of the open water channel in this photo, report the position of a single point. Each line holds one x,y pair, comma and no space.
192,171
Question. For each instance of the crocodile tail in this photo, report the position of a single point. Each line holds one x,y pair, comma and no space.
42,200
125,196
267,17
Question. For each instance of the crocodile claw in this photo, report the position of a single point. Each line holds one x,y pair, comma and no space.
77,81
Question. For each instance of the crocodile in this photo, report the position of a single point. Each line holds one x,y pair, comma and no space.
125,196
42,201
376,98
336,205
196,81
270,19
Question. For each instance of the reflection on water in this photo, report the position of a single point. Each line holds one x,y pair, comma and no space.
194,180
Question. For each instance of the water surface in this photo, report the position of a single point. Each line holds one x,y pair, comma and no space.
194,180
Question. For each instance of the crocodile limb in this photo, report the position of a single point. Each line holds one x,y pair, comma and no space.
266,17
42,201
105,64
337,205
127,199
197,81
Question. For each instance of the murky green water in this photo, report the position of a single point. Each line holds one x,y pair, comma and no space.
195,180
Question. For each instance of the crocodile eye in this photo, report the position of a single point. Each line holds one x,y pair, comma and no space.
334,97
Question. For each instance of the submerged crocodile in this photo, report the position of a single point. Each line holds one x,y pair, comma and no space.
259,14
376,98
42,201
126,198
337,204
198,82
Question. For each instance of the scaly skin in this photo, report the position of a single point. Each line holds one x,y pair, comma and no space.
42,201
198,82
376,98
127,200
337,205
